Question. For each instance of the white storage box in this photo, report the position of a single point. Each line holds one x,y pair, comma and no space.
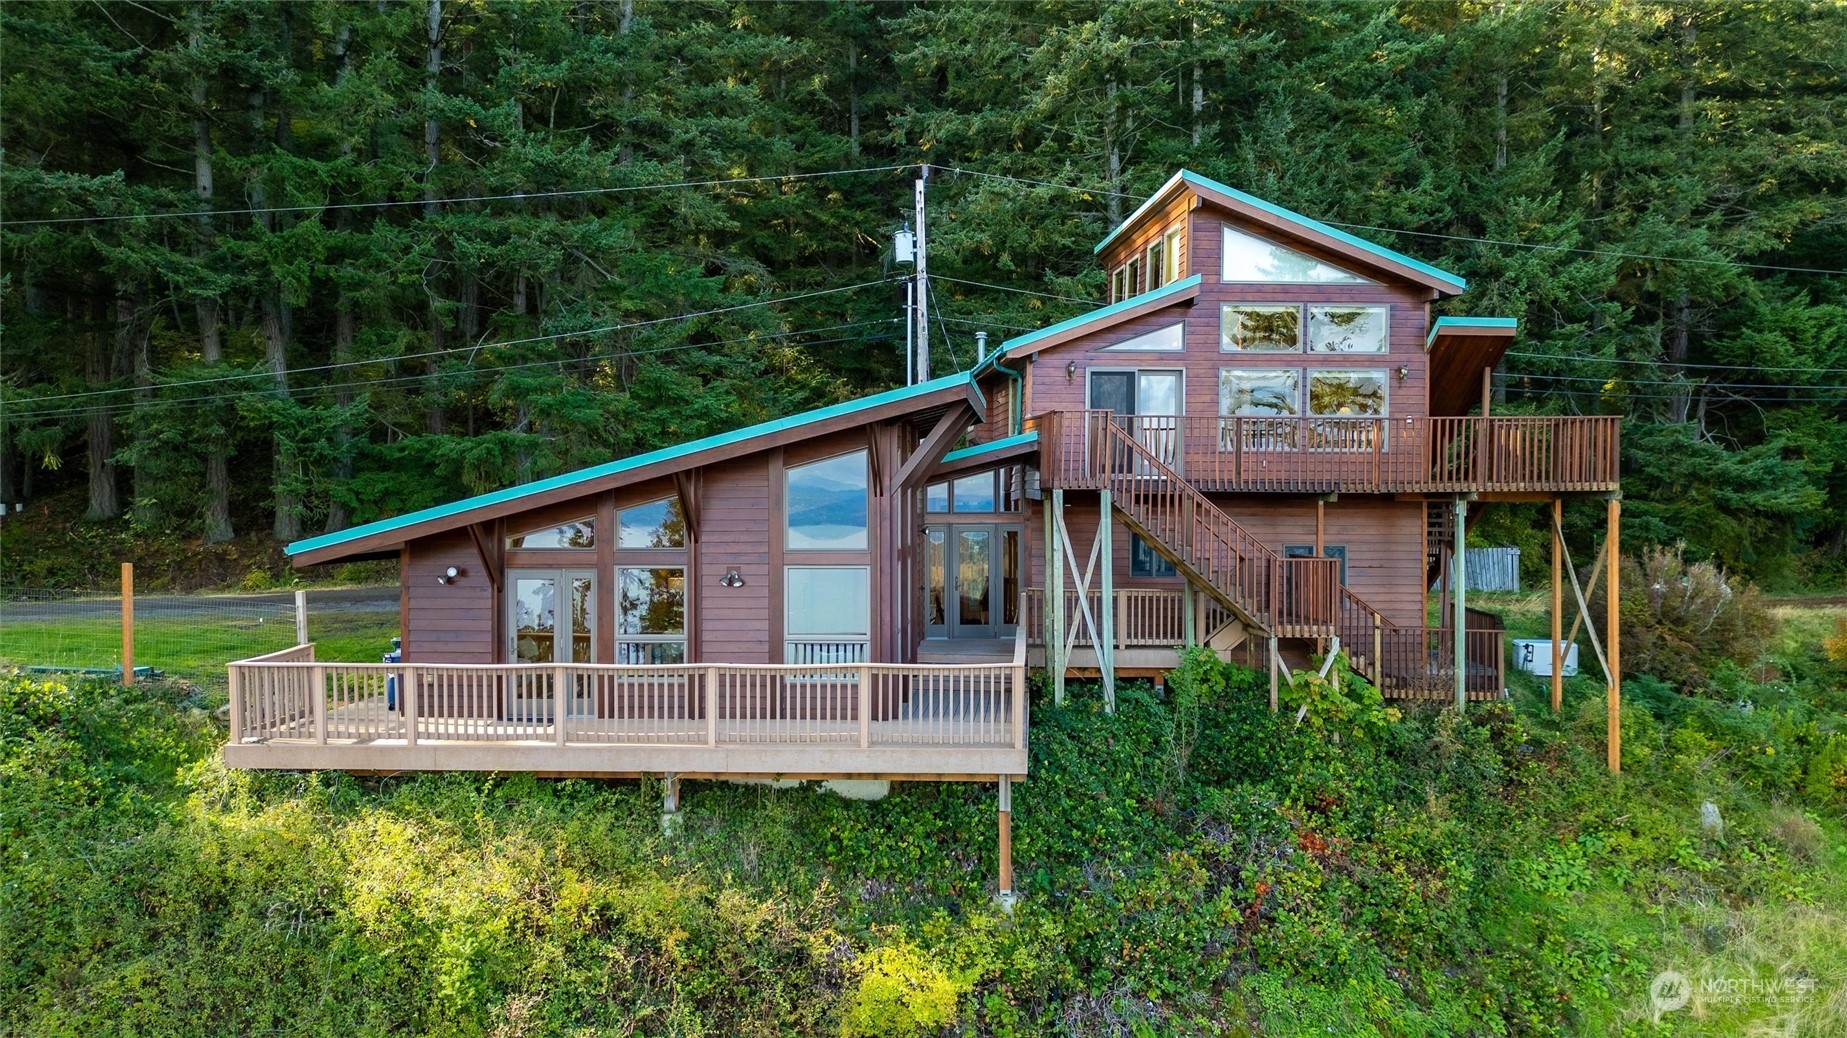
1534,655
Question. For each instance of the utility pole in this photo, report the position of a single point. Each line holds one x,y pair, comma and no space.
921,295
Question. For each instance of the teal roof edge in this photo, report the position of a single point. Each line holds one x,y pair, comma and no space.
1444,323
1188,176
990,447
611,468
1176,288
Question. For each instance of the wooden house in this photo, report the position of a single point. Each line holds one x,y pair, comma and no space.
1264,443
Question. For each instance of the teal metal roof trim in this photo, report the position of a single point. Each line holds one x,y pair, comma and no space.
1190,177
612,468
990,447
1095,316
1444,324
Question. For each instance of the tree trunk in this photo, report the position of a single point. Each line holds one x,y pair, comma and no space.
345,330
853,98
437,422
274,321
99,371
217,524
1500,125
131,348
1112,158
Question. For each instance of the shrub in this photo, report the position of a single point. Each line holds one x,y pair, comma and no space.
900,994
1679,618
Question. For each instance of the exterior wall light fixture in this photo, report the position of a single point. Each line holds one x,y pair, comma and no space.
449,576
732,578
1404,372
1071,371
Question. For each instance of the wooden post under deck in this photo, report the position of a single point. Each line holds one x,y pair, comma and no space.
1106,635
1558,602
1613,631
1459,580
1006,840
1055,596
1274,675
1189,620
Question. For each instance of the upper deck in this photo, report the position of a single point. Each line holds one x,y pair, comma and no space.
1513,455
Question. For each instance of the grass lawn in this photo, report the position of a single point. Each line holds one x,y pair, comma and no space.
194,648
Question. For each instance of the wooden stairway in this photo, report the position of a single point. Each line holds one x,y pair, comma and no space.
1269,594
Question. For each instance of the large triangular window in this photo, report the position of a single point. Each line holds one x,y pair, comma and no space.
1248,258
1170,339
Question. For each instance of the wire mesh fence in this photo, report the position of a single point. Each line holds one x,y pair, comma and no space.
189,637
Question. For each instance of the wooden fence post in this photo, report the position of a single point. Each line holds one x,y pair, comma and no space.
128,623
301,618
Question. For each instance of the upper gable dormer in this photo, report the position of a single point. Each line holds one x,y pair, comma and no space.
1195,225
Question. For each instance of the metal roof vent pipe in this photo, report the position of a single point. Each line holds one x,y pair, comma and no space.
981,347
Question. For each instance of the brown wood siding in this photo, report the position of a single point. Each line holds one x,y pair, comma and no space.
1384,540
447,623
734,534
1202,359
1150,228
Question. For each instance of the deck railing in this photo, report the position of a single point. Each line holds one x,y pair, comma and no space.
1405,662
292,697
1145,617
1420,662
1355,455
1289,597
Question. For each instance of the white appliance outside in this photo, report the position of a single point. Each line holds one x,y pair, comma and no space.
1534,655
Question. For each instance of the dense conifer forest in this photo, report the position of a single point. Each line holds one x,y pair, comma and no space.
272,269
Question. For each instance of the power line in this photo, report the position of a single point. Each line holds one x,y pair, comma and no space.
1044,183
471,350
1009,288
394,203
1652,363
1673,382
1448,237
423,377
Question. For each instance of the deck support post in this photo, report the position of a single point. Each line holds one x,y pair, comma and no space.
1558,602
1106,635
1004,895
670,804
1055,595
1613,631
1460,582
1275,663
1189,616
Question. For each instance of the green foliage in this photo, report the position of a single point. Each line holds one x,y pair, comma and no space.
1448,874
1681,619
899,994
1340,705
1655,191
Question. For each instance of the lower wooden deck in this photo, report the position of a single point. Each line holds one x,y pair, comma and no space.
943,721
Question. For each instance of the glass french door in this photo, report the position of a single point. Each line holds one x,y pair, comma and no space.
1146,402
551,618
972,580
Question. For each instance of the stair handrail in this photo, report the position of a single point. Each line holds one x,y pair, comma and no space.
1231,560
